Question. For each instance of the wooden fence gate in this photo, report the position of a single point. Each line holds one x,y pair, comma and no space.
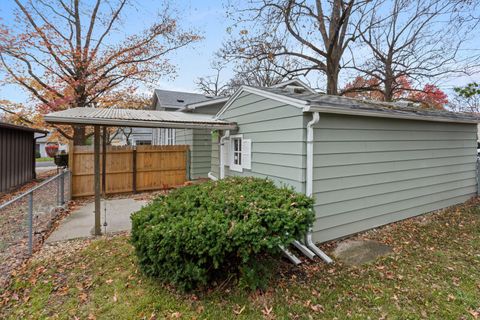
129,169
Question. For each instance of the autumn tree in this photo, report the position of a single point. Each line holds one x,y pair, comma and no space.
422,41
72,54
430,96
16,113
315,34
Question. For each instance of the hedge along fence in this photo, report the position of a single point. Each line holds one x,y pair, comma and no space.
197,234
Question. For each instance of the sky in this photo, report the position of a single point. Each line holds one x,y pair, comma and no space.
206,17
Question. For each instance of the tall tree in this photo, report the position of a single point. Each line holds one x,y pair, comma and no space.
422,41
213,85
257,73
71,53
315,34
261,73
467,98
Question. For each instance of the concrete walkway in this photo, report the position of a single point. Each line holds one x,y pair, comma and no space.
79,224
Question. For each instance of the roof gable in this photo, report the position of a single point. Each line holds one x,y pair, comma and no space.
258,91
177,99
294,82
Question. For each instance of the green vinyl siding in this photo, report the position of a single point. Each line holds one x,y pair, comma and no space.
372,171
199,141
215,165
277,133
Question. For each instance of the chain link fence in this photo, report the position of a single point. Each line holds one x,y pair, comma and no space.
26,219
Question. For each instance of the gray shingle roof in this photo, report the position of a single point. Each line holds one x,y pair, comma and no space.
178,99
319,102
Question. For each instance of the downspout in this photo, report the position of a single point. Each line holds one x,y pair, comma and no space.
309,185
222,161
34,171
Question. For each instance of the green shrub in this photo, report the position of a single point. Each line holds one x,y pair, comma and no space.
201,233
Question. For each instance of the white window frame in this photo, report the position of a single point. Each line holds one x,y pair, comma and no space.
236,163
165,137
170,136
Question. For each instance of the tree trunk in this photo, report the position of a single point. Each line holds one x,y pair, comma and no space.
332,77
388,91
79,136
79,132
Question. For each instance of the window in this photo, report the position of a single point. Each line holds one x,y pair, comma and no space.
240,155
236,154
143,142
165,136
170,136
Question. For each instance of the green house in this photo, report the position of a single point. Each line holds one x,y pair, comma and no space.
366,163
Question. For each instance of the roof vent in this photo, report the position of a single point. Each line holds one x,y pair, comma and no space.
180,100
295,89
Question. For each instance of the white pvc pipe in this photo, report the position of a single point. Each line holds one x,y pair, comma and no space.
309,185
222,161
212,177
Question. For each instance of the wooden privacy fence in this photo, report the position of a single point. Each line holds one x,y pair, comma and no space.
129,169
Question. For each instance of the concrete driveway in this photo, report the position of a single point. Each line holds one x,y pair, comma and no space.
79,224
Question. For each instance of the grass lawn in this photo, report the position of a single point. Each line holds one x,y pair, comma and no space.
43,159
434,273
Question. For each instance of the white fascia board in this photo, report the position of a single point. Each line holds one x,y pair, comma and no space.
139,123
269,95
379,114
206,103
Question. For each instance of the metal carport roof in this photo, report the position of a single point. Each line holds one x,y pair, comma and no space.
129,118
137,118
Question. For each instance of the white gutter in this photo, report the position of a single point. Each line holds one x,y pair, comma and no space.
211,176
309,185
379,114
141,123
222,161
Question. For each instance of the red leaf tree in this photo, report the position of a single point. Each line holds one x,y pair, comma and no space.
69,53
430,96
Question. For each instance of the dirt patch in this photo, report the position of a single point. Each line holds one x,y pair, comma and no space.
358,252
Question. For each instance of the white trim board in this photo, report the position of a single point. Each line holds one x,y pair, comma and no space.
297,82
193,106
270,95
379,114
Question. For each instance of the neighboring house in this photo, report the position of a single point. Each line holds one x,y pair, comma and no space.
41,142
366,163
17,155
165,100
199,140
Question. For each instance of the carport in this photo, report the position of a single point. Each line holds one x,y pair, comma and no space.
105,118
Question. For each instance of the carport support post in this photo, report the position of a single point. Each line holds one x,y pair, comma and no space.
96,166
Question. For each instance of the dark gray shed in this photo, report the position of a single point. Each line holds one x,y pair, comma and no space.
17,155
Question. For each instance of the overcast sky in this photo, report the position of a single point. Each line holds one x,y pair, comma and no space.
207,17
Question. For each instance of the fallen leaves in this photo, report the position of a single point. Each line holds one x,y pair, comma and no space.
267,311
474,313
238,310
